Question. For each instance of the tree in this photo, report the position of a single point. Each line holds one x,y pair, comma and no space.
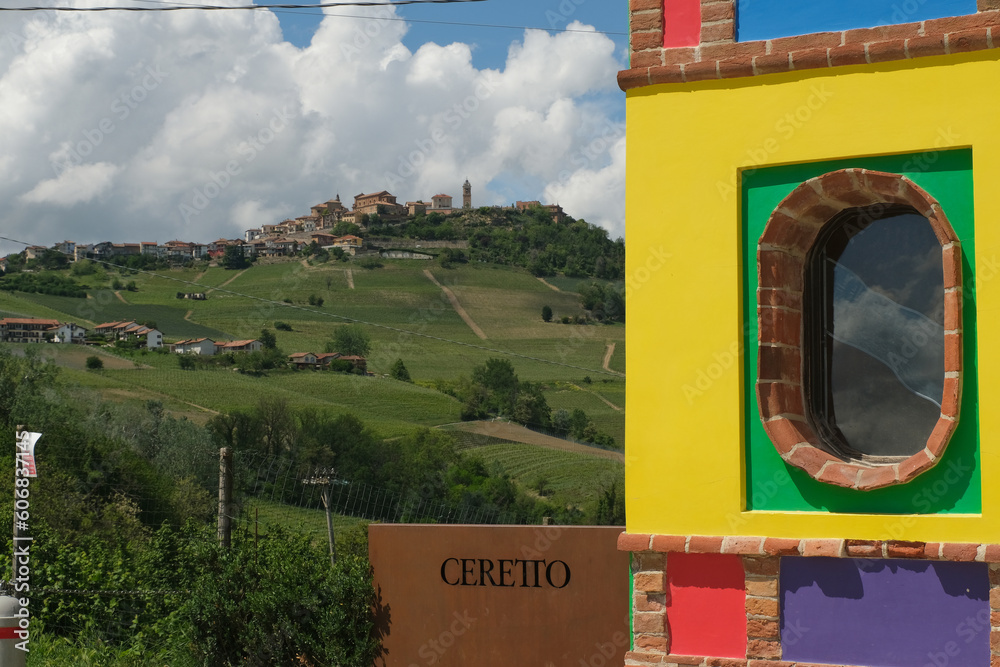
399,372
546,313
186,362
94,363
268,340
350,340
233,258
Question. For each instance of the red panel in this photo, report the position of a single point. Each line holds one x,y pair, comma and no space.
681,23
706,605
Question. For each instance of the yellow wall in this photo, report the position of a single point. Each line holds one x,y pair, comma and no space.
686,146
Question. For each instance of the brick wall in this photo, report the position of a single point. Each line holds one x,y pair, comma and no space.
719,56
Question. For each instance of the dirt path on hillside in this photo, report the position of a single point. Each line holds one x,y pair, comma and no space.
548,284
599,397
199,276
188,314
457,306
350,278
120,297
227,282
607,359
517,433
305,263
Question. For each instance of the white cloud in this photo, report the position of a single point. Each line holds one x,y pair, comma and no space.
76,185
193,125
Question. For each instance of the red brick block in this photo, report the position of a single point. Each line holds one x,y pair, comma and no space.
770,296
995,641
646,40
667,74
736,67
864,548
993,556
652,643
780,363
898,33
951,258
717,11
810,58
760,566
725,662
880,52
995,580
642,658
976,39
877,477
952,397
762,607
648,562
669,543
849,54
830,548
760,648
718,32
988,5
650,602
778,398
634,78
919,47
762,588
701,71
727,50
650,58
932,550
702,544
841,474
953,352
644,622
904,549
809,459
649,582
822,40
958,23
645,5
916,464
959,552
742,545
773,63
781,546
633,542
642,21
684,659
679,56
995,599
763,629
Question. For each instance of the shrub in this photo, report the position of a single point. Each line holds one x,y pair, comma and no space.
399,372
94,363
282,326
546,313
186,362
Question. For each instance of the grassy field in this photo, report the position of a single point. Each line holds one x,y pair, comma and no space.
407,316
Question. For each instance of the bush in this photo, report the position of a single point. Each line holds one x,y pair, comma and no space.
280,603
399,372
370,263
546,313
94,363
282,326
186,362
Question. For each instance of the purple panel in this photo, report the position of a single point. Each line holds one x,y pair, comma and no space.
885,613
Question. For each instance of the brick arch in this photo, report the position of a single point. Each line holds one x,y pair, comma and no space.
782,250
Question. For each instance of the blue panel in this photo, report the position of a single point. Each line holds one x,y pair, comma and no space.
768,19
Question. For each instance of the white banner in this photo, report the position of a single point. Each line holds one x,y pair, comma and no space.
26,453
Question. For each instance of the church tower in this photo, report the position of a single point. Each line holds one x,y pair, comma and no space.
467,195
811,190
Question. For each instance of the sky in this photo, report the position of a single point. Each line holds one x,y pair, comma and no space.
153,126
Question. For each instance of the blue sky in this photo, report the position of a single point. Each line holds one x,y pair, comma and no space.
491,43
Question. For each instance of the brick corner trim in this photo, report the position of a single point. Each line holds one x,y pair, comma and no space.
756,548
719,56
782,250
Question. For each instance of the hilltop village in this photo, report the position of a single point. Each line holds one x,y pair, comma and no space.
330,225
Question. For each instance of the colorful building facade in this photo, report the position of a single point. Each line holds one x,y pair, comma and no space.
813,317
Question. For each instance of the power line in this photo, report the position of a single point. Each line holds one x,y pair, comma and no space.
345,318
179,7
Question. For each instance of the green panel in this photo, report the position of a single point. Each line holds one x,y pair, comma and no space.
953,486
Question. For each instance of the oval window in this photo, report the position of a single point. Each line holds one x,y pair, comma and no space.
859,329
874,324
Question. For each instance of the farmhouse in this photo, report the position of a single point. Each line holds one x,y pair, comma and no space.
131,330
26,329
202,346
238,346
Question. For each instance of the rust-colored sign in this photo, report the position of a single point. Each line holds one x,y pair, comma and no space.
497,596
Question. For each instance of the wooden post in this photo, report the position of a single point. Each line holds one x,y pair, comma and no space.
225,496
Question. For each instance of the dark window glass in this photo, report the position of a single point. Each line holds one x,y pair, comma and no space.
874,332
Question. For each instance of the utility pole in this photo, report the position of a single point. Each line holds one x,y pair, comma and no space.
324,479
225,496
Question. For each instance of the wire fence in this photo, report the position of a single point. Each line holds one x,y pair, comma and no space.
106,591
